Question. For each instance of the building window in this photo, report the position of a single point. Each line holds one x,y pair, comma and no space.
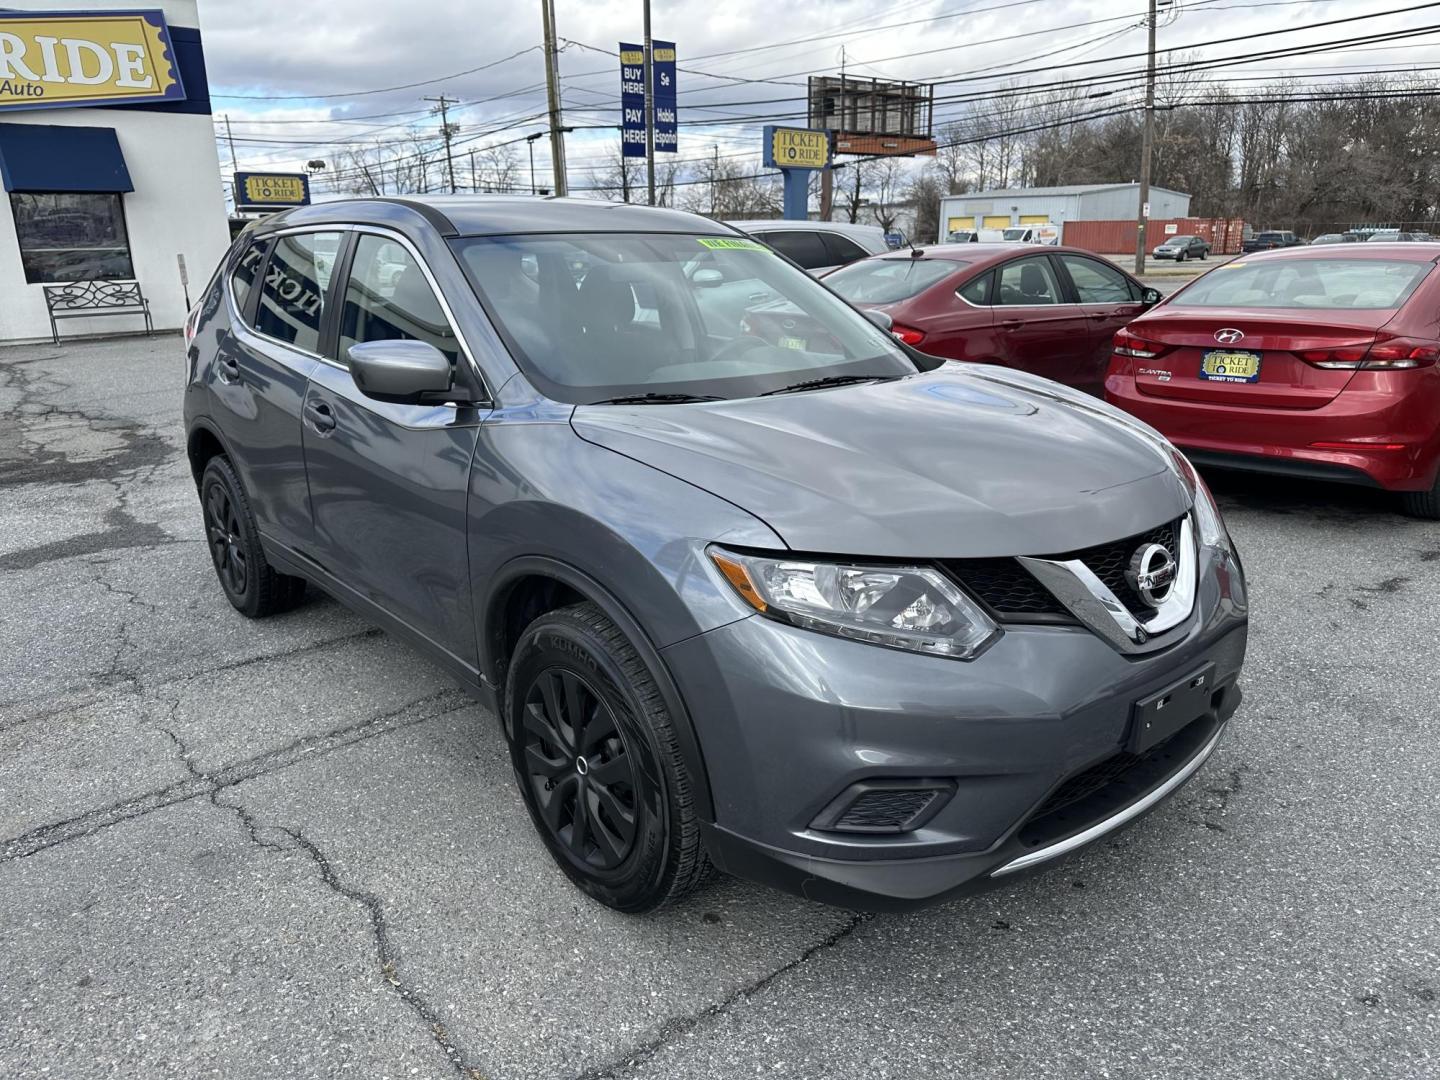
71,236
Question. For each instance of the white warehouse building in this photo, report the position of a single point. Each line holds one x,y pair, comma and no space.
1004,207
107,160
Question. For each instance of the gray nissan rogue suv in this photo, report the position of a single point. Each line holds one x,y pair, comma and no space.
749,583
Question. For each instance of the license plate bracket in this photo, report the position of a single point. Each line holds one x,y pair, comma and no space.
1230,365
1162,714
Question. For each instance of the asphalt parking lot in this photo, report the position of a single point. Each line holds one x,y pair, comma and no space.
292,848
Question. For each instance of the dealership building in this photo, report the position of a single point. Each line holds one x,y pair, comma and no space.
1004,207
107,159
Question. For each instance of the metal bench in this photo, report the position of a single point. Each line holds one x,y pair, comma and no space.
88,299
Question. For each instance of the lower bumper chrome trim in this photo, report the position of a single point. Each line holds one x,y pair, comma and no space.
1114,821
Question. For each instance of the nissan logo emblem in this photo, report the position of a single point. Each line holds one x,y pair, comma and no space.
1228,336
1152,573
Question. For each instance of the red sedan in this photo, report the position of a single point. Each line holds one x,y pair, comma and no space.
1051,311
1312,362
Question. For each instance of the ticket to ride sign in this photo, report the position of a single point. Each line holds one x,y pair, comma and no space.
796,148
272,189
55,59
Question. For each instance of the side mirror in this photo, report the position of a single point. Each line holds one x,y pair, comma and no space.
880,319
399,371
707,278
1150,297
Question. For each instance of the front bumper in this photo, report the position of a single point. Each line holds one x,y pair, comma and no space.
1387,408
789,719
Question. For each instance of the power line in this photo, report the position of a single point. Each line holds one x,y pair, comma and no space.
377,90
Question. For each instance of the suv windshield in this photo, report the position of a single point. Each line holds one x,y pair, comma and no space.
1306,283
591,317
884,281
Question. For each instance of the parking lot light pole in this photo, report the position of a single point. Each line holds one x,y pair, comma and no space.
1146,143
530,142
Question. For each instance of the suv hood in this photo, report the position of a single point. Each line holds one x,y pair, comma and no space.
964,461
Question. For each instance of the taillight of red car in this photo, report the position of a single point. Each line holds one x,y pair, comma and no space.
907,334
1387,352
1128,343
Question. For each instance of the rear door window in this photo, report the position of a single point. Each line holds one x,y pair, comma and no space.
293,291
841,249
805,249
245,275
977,292
1027,283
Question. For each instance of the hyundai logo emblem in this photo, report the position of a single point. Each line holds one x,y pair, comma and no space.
1152,573
1228,336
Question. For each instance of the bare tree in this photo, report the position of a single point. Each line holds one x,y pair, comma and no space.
618,178
887,176
727,189
499,168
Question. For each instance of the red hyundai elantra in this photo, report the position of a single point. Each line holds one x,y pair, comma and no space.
1051,311
1308,362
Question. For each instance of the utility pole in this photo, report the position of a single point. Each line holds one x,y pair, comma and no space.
473,185
714,179
649,108
1146,143
552,93
446,133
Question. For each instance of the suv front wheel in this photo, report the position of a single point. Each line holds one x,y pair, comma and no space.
594,753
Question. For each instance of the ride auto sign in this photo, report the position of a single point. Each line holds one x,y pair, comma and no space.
55,59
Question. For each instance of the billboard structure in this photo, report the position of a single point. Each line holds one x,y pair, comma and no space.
873,116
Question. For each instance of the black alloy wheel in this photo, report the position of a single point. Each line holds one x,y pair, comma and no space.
222,528
251,584
594,749
578,769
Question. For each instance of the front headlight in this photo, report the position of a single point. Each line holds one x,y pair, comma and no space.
1208,521
902,607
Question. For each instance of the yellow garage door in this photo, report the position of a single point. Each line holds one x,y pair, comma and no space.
1034,219
996,221
954,223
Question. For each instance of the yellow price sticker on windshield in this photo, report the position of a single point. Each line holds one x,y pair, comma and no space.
726,243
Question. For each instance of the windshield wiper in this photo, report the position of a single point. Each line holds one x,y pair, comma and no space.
829,380
656,399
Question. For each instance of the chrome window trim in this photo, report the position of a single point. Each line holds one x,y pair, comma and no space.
1092,602
1114,821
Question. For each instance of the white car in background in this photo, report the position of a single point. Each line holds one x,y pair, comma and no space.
1046,233
817,246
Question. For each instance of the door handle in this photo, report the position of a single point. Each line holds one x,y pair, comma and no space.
320,416
1011,324
229,369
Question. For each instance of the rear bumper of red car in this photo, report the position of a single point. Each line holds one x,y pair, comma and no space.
1369,434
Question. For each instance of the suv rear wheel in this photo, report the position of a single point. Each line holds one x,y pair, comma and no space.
251,584
594,753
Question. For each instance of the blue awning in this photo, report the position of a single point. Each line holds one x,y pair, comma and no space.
43,157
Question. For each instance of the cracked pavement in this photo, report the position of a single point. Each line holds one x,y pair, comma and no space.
292,848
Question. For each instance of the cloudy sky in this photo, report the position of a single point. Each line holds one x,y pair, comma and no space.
302,79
